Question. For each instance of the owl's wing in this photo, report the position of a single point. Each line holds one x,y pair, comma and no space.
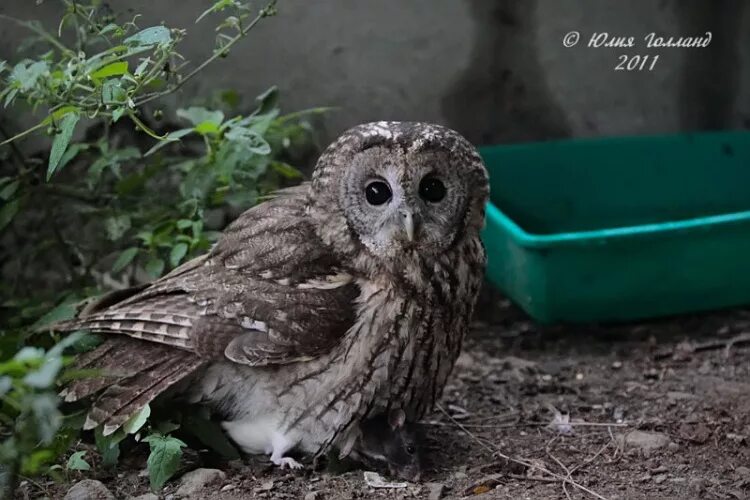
268,293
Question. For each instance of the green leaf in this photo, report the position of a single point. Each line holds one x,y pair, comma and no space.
61,312
154,267
177,253
125,258
9,189
46,417
137,420
117,226
197,115
109,446
211,434
113,69
61,141
44,377
113,93
164,459
155,35
287,171
71,153
171,137
117,114
206,128
8,211
76,461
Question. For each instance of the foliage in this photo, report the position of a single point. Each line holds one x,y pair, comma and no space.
34,430
112,191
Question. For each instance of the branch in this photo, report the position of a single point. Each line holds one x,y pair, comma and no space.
264,12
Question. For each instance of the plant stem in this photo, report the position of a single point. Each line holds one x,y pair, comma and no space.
24,133
49,38
216,55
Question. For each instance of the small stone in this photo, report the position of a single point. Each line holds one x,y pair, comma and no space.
267,486
644,441
660,478
228,487
145,496
436,491
672,446
313,495
680,396
616,365
743,472
89,489
194,481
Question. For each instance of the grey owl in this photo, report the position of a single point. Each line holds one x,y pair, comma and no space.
336,300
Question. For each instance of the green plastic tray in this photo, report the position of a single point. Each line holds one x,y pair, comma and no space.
620,228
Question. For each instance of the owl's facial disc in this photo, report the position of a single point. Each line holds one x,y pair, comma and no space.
402,201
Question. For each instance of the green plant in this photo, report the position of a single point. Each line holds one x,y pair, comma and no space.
126,190
34,430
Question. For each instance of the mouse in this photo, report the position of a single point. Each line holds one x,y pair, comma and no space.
387,439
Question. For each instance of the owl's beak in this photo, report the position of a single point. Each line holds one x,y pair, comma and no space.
407,219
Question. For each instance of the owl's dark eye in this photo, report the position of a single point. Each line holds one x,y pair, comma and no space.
410,450
432,189
377,192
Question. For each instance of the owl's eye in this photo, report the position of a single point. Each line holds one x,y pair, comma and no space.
377,193
410,450
432,189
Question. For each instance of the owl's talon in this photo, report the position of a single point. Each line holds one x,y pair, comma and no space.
288,462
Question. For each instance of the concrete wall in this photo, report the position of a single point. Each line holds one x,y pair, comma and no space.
494,69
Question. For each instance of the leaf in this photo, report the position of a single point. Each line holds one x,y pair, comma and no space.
137,420
287,171
125,258
61,312
117,114
212,435
171,137
267,101
76,461
164,459
44,377
109,446
117,226
206,128
9,189
155,267
59,113
155,35
47,418
177,253
8,211
113,93
197,115
61,141
71,153
113,69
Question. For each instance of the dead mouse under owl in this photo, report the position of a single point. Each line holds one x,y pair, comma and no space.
387,439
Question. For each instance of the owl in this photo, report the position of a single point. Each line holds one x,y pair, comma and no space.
334,301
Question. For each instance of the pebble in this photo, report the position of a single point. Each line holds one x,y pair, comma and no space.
89,489
645,441
145,496
313,495
436,491
194,481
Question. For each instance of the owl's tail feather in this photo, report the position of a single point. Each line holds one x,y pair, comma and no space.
130,378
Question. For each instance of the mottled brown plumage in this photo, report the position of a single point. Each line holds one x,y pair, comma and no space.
315,309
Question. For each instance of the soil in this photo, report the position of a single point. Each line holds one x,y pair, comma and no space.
656,409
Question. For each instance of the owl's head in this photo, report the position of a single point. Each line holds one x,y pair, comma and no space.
399,187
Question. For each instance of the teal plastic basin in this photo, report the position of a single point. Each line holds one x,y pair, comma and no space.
620,228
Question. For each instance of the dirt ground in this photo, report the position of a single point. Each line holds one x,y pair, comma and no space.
657,409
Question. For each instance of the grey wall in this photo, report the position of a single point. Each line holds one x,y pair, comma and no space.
494,69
